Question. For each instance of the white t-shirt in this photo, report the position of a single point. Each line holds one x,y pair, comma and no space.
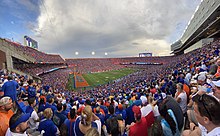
33,125
9,133
203,130
188,77
183,102
214,132
146,110
156,111
98,122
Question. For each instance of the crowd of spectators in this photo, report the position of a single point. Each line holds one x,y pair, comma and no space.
39,56
92,65
180,97
57,79
36,69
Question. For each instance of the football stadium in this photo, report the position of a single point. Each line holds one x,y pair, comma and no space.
49,94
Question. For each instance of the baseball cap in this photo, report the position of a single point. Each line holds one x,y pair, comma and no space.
160,97
4,100
22,118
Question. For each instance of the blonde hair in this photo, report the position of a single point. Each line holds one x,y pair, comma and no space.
48,113
150,99
86,116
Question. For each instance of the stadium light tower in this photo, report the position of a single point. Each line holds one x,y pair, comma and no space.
106,53
93,53
76,53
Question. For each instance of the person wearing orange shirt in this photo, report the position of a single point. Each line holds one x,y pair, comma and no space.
186,89
5,114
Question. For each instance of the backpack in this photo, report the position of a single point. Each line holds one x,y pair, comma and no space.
56,120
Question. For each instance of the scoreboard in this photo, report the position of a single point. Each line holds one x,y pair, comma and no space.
30,42
148,54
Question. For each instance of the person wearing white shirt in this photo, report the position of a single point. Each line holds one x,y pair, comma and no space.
34,119
181,97
207,113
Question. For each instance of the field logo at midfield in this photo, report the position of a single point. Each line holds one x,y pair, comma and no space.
80,81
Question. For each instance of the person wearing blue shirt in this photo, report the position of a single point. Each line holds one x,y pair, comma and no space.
46,126
41,106
31,89
87,120
100,115
65,110
23,92
58,117
104,108
50,105
69,123
10,88
121,111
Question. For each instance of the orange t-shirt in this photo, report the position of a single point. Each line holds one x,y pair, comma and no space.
186,89
101,110
4,118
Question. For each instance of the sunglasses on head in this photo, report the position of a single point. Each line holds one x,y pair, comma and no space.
201,99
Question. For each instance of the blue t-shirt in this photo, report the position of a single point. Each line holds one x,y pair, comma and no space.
101,117
65,113
54,108
130,115
41,108
122,113
10,89
32,92
29,109
48,126
58,119
76,130
69,125
105,109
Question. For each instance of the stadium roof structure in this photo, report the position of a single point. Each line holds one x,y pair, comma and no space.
205,23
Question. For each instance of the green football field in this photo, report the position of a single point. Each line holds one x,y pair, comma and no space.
95,79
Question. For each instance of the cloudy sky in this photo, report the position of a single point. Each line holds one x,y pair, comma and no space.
117,27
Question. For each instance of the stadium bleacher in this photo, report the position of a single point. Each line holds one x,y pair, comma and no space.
159,95
122,94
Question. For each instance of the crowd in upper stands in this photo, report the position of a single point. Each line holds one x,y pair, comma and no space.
180,97
39,56
36,69
58,79
93,65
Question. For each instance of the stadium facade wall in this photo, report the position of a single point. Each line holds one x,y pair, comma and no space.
205,9
199,44
178,44
2,60
7,52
